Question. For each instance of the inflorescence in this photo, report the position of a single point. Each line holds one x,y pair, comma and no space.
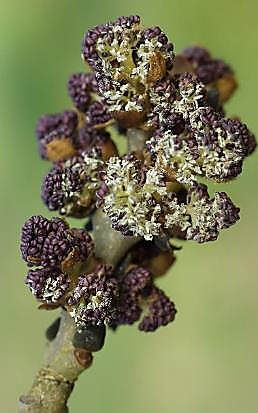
155,192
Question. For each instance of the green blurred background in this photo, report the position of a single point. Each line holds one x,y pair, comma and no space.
207,360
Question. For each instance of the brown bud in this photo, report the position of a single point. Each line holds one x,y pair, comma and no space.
60,149
226,86
129,119
83,357
108,149
157,68
160,264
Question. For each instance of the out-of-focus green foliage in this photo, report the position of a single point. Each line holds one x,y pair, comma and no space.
207,360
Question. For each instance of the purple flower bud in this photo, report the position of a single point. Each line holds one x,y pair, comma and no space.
127,22
98,114
137,292
49,123
34,232
161,311
197,55
70,187
132,285
80,88
48,284
93,301
206,68
49,243
59,187
136,280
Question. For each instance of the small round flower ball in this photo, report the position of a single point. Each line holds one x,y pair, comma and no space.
52,122
80,89
161,311
51,243
48,284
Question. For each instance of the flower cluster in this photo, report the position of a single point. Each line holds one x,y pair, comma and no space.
127,60
71,185
63,275
215,73
93,300
170,110
139,295
64,135
53,249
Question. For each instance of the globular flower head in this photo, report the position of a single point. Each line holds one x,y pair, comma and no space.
201,217
212,72
160,311
207,68
70,186
98,115
93,300
50,243
127,60
138,294
132,198
80,89
214,147
48,284
132,284
67,120
176,101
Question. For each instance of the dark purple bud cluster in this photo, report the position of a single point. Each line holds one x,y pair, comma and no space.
54,249
138,294
48,284
98,114
67,120
50,243
70,187
56,135
205,66
80,89
161,311
93,300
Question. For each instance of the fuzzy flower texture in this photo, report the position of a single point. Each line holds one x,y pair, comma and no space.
169,109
